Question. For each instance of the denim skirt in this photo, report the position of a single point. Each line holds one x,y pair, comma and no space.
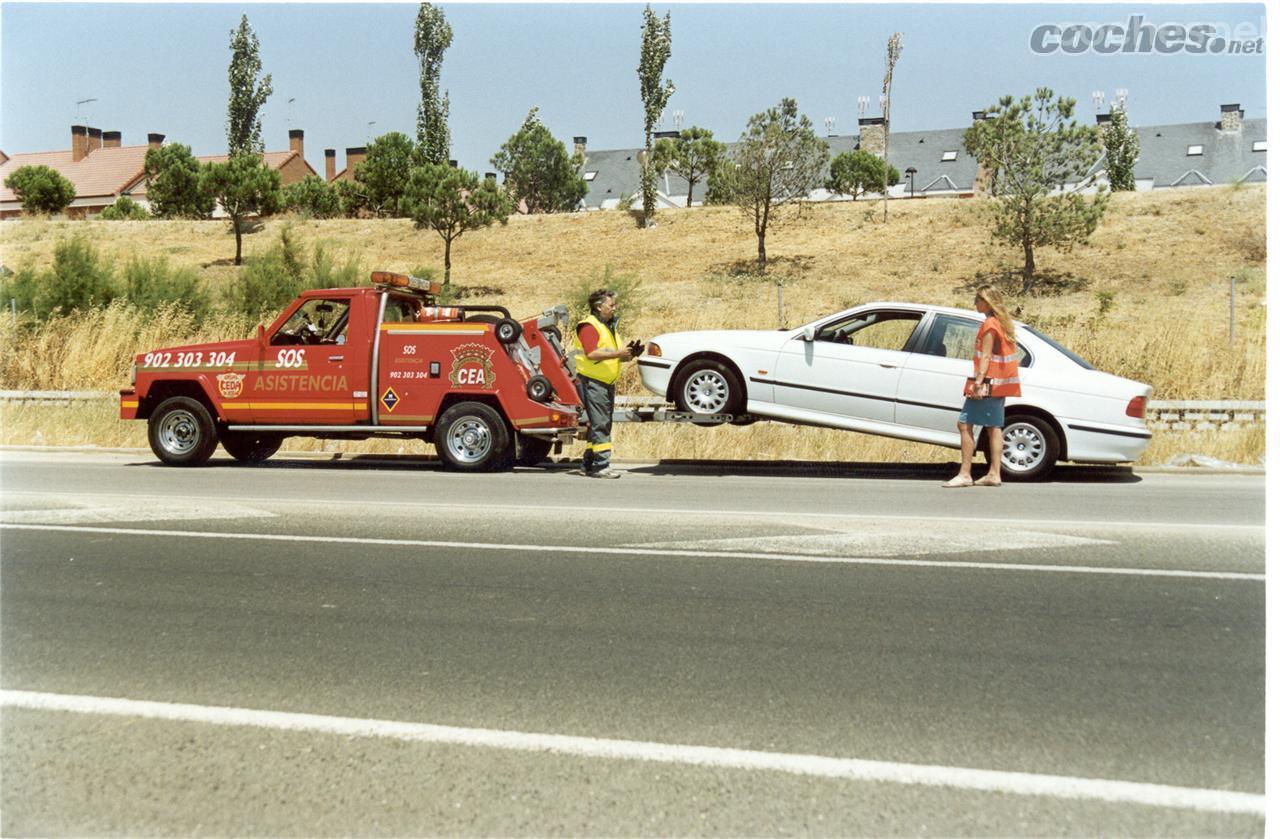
988,413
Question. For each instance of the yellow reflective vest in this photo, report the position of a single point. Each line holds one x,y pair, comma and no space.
605,372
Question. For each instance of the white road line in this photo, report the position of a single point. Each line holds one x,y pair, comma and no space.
542,509
854,769
642,551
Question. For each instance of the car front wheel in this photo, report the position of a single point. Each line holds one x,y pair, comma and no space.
708,387
1031,448
181,432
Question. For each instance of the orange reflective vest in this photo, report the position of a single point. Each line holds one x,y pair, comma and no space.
1002,370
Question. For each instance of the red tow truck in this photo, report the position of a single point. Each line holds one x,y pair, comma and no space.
354,363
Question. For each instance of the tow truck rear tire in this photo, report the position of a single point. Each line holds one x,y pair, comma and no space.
251,448
472,437
181,432
508,331
530,451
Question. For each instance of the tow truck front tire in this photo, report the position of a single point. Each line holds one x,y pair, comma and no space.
472,437
181,432
248,447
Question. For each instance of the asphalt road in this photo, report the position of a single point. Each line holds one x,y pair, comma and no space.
375,647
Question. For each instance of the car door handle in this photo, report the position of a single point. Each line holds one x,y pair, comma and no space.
336,357
889,364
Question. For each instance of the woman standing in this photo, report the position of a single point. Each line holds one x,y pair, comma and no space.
995,376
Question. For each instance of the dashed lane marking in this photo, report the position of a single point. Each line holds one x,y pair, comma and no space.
642,551
818,766
888,540
84,511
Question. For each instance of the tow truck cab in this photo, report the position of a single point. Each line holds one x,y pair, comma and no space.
355,363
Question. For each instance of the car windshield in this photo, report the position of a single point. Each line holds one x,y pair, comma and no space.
1068,353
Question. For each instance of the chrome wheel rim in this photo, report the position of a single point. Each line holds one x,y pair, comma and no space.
707,392
179,433
1024,447
469,440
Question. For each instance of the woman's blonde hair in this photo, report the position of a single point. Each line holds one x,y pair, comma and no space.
995,300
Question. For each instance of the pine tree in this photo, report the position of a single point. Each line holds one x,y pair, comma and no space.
893,51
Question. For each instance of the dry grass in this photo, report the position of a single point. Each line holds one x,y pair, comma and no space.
1163,259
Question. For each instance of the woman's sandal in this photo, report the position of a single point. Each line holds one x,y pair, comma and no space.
958,481
987,481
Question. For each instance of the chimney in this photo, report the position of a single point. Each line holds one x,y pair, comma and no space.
666,135
355,156
111,139
488,176
979,116
155,140
453,164
871,135
79,142
295,141
95,139
330,164
1104,119
1232,117
579,146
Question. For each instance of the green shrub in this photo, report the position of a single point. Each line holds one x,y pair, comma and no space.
77,280
327,273
125,209
270,280
150,284
41,189
312,198
627,285
20,288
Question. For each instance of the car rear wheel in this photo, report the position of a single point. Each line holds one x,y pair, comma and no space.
251,448
181,432
708,387
472,437
1031,448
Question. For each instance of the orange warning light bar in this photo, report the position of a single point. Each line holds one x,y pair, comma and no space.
391,279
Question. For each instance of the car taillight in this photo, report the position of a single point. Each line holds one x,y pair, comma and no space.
1137,407
653,349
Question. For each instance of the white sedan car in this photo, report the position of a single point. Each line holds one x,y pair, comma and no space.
898,370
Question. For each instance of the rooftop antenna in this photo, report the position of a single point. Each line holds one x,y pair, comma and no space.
368,130
1122,95
1099,97
830,123
677,118
882,101
289,117
80,102
662,117
863,103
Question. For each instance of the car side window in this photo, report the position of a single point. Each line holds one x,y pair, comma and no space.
953,337
317,321
879,330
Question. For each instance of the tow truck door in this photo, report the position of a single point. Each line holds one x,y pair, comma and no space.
316,367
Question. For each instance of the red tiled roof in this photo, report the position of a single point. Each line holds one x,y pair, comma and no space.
102,172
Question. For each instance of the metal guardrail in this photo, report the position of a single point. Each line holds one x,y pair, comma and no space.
1177,415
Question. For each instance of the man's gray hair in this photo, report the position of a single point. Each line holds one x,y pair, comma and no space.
599,296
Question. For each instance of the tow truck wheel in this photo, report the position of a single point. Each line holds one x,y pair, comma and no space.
472,437
247,447
708,387
530,451
181,432
508,331
539,388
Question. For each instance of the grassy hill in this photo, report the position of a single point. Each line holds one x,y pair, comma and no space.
1147,297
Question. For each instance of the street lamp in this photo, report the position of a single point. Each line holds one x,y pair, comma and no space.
911,178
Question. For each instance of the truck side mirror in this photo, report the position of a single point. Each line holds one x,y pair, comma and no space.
808,333
262,337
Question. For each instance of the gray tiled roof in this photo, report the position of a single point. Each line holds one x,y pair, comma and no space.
1162,160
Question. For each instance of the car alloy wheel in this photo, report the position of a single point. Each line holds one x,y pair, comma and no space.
707,392
1025,448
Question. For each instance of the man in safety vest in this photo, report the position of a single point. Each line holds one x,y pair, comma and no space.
599,354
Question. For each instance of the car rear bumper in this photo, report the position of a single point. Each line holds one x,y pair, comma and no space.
1094,442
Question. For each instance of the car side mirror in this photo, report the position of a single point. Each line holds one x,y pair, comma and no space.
808,333
262,337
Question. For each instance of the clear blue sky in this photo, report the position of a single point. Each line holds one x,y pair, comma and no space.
163,67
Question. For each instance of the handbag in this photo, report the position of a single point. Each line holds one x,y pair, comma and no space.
972,391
